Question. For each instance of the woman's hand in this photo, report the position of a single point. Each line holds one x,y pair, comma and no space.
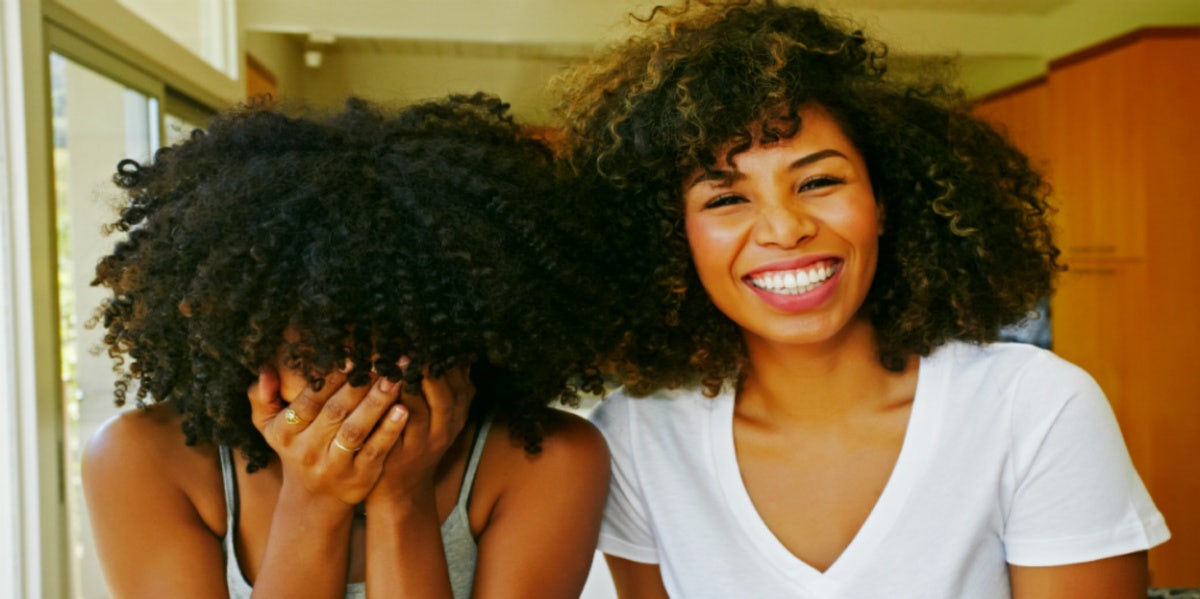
332,443
435,419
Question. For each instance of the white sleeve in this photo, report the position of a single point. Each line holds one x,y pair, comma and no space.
625,531
1077,496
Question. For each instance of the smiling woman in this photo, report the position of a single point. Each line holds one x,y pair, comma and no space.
818,261
745,225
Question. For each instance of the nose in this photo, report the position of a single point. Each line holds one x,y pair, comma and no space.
784,226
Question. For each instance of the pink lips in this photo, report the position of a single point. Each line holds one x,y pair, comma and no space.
804,301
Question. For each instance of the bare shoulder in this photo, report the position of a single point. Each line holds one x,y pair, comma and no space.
570,444
572,467
534,509
156,505
569,432
142,452
139,439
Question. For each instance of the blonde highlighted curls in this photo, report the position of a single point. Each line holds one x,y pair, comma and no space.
967,247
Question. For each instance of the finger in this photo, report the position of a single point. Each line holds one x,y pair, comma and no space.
363,419
447,410
338,408
464,387
380,443
417,426
310,403
265,403
464,391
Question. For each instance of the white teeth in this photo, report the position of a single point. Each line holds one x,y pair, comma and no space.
794,282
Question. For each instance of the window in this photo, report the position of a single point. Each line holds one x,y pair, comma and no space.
105,106
204,27
96,122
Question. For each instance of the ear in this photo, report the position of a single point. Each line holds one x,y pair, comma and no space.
880,217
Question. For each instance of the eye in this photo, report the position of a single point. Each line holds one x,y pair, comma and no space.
820,182
728,199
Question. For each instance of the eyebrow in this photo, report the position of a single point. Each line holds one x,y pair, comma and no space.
803,161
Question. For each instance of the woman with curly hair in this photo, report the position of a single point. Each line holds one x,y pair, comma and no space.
402,294
818,261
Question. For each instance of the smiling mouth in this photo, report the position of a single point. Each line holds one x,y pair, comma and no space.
795,282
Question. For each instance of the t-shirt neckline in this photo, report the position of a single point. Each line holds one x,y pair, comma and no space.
915,455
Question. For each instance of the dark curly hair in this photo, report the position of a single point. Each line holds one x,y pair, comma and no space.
437,232
967,245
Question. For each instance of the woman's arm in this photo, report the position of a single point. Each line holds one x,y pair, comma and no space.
635,580
151,539
1120,577
405,556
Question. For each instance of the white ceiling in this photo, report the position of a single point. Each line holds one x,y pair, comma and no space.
1008,40
1029,7
986,44
567,22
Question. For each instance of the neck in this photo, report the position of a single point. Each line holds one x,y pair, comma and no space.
821,381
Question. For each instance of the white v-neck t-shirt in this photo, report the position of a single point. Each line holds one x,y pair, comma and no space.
1011,455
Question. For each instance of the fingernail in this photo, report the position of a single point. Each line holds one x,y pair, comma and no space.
398,413
385,384
403,362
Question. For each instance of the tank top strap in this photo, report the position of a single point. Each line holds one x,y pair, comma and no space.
468,482
229,478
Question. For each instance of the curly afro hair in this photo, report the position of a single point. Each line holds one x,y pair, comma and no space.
967,245
437,232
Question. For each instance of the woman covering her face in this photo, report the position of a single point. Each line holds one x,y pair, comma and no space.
819,260
403,294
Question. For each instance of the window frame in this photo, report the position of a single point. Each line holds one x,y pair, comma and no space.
107,38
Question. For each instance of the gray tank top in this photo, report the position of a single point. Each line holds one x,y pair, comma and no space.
459,545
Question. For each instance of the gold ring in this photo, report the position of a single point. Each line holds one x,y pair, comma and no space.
338,444
291,417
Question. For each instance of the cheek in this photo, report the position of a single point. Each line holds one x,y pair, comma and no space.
862,230
713,247
859,223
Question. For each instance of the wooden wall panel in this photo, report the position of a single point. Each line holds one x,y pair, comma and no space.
1166,350
1097,148
1022,113
1096,324
260,81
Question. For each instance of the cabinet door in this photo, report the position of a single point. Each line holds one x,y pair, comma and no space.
1169,327
1133,327
1023,115
1124,130
1095,320
1097,143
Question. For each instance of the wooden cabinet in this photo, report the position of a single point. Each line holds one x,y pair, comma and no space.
1022,113
1098,150
1118,127
1097,310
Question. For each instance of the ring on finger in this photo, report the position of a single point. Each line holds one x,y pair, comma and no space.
338,444
291,417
